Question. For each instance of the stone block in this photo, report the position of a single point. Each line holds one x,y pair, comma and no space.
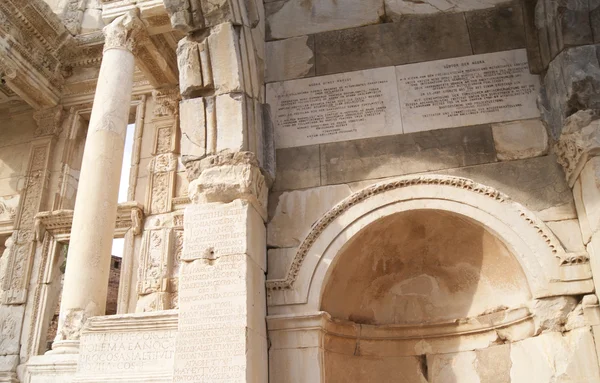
289,365
489,365
569,234
562,25
415,39
396,10
554,357
379,157
341,368
520,139
228,182
185,15
537,183
232,128
550,314
570,86
11,322
297,17
133,347
217,12
9,362
225,59
297,168
92,20
496,29
215,230
190,67
193,129
279,261
590,194
222,332
532,38
296,212
290,58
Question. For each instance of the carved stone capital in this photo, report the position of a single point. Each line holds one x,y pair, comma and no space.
49,121
579,141
228,177
124,32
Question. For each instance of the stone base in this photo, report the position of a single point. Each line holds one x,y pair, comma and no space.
51,368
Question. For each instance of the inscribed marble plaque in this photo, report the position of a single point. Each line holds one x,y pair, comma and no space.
333,108
126,352
465,91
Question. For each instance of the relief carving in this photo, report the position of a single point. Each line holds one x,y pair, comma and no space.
14,285
8,211
164,140
166,102
70,324
49,121
579,140
154,262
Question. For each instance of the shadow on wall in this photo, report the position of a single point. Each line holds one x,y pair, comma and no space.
414,270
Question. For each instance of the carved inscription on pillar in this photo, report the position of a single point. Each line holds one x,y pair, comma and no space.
211,341
221,295
214,230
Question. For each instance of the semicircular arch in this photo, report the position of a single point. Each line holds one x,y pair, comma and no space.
535,247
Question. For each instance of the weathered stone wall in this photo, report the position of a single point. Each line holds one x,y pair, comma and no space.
17,133
310,39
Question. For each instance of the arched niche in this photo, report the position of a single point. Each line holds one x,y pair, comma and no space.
536,250
423,267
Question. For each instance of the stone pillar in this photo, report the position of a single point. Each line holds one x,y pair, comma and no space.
228,153
88,260
222,304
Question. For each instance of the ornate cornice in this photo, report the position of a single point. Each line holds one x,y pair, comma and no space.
59,222
32,38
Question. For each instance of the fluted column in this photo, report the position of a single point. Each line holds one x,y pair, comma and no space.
88,259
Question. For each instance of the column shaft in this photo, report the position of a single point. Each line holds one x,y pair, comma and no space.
88,259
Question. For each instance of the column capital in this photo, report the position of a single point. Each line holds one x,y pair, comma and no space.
578,142
124,32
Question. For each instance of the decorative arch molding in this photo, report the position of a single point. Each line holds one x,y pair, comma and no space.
548,268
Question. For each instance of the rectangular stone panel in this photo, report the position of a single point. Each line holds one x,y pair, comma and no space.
417,38
132,347
220,312
472,90
458,92
380,157
335,108
215,230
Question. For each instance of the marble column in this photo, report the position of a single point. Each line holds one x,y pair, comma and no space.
88,259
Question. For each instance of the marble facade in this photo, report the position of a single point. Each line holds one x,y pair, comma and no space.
321,191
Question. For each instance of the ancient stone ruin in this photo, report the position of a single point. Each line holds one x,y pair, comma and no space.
300,191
